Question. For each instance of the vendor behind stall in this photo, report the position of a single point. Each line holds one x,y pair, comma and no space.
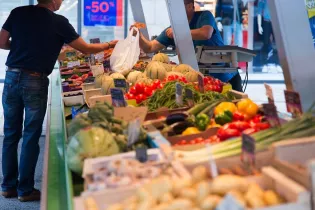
204,32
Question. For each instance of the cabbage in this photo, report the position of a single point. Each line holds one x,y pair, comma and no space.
90,142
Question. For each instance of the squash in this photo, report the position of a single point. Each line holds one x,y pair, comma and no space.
145,80
192,76
134,76
117,76
155,70
168,67
161,57
174,73
183,68
107,84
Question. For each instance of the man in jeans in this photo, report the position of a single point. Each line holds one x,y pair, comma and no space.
37,36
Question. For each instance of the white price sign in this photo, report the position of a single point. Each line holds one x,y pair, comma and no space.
73,64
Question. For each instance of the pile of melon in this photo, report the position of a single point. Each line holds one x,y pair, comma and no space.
159,68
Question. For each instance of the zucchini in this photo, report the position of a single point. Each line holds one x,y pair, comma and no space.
198,108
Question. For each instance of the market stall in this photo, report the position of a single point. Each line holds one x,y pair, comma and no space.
164,136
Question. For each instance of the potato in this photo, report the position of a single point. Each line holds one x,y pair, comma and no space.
162,206
189,193
271,198
132,199
147,204
130,206
143,194
255,189
159,187
179,204
210,202
203,190
225,183
255,202
238,197
166,198
115,207
199,174
180,184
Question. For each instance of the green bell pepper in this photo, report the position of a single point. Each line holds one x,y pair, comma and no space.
202,121
224,117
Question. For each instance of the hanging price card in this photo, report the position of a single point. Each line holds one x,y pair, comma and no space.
248,149
120,83
293,102
271,114
142,154
269,94
73,64
179,94
201,83
133,132
190,97
118,98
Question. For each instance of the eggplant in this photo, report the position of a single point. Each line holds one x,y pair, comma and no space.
174,118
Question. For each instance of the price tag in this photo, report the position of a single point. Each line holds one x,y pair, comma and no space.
71,54
118,98
133,132
293,102
201,84
75,112
142,154
129,114
230,203
73,64
121,83
190,97
271,114
269,94
213,165
95,41
248,149
179,94
97,70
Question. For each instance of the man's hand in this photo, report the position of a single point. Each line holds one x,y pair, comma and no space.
169,33
113,43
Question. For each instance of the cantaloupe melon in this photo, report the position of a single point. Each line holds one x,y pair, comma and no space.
155,70
107,84
145,80
117,76
183,68
134,76
99,79
161,57
192,76
169,67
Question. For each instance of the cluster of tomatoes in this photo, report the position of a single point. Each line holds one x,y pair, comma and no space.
212,84
140,91
175,78
199,140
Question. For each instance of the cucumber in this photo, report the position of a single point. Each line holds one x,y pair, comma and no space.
198,108
210,108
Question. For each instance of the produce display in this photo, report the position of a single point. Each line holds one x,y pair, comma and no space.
96,134
164,193
207,123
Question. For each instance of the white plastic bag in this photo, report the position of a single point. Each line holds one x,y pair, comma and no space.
126,54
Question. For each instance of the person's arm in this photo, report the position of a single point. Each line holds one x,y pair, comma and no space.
5,42
85,48
150,46
203,33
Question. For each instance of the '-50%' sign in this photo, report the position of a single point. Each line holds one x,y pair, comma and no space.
103,12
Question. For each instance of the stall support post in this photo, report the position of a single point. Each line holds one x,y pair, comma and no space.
182,35
295,47
138,15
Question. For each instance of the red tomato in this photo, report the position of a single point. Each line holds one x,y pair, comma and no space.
156,83
133,90
208,141
161,86
90,74
171,78
217,82
199,140
140,98
193,141
130,96
140,87
148,91
182,142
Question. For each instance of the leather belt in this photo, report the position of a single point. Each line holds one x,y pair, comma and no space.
18,70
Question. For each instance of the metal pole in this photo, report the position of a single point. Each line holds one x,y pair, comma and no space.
295,47
138,15
79,17
126,19
182,34
250,31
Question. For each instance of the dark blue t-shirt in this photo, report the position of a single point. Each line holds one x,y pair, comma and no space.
200,19
37,36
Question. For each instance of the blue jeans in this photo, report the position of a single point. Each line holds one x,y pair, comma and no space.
228,32
23,92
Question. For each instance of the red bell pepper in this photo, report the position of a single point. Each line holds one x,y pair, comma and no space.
237,116
239,125
227,133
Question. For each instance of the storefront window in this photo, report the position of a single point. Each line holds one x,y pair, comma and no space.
5,8
69,9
